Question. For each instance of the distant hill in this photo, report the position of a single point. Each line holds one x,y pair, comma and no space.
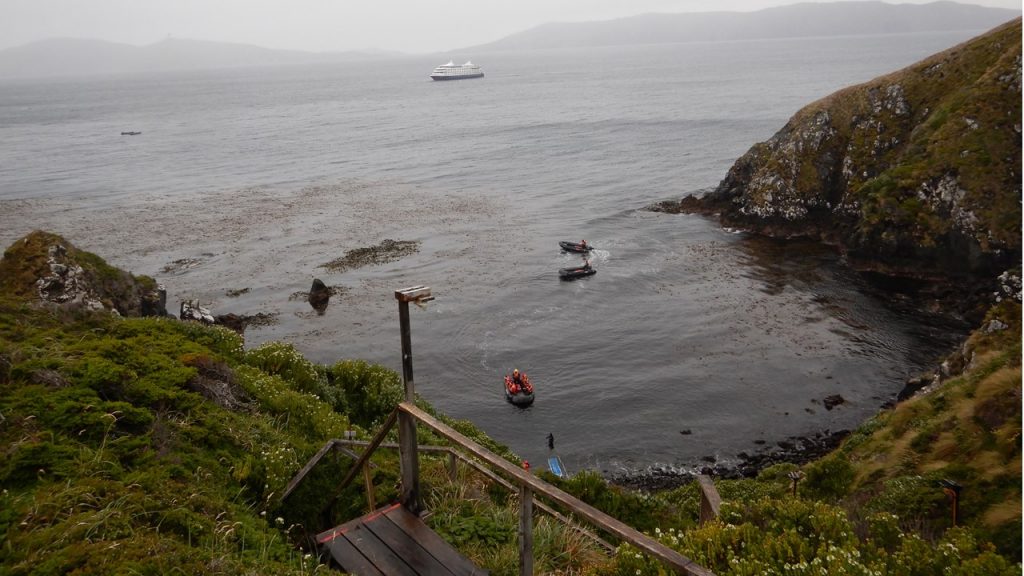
77,57
793,21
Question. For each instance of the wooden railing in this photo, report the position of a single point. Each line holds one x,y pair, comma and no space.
710,501
529,484
407,415
454,456
511,477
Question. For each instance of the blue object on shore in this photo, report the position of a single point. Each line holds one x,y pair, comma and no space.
555,465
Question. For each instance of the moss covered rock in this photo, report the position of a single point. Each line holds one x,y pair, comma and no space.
44,267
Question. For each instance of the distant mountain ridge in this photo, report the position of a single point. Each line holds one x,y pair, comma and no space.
793,21
75,57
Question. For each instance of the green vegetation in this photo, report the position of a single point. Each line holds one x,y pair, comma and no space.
152,446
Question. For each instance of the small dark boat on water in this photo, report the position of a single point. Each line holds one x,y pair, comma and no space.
132,133
519,395
576,272
575,247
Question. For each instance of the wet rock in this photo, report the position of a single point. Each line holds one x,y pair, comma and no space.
232,321
914,385
833,401
239,322
180,265
319,296
234,293
686,432
795,450
154,302
191,310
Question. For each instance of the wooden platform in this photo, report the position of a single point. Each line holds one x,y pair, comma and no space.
393,541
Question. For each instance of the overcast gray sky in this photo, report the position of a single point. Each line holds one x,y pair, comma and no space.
414,26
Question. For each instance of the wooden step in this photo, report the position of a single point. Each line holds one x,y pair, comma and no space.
393,541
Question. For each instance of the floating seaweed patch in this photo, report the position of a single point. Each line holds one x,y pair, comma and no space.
387,251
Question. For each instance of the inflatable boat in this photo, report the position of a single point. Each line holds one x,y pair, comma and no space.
519,395
575,247
576,272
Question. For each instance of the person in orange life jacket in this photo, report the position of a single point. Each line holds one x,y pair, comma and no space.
520,382
517,378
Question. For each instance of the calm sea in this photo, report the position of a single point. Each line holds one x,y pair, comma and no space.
252,179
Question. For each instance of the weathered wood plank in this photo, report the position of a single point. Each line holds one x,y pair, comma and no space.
349,559
443,551
646,544
412,551
383,558
409,460
421,447
710,501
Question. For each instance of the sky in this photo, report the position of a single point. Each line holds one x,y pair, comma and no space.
411,26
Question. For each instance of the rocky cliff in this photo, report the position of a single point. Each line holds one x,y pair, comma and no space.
45,268
916,173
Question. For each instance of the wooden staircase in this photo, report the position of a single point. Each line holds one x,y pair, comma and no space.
393,541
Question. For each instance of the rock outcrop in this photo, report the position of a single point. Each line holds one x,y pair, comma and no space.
47,268
914,174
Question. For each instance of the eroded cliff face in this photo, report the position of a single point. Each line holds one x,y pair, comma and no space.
916,173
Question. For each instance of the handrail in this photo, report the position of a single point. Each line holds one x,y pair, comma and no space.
494,477
710,501
528,482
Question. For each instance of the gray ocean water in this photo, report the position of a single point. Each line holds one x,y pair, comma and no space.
252,179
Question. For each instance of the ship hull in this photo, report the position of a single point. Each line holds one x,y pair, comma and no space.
462,77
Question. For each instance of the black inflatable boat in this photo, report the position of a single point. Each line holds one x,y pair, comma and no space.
575,247
577,272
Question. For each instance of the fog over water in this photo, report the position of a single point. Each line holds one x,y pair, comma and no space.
254,179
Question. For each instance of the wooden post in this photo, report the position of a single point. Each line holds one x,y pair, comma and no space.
952,489
370,495
408,454
710,501
525,531
452,463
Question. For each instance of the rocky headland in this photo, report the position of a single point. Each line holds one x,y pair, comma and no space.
913,175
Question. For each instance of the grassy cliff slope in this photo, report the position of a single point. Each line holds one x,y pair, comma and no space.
138,445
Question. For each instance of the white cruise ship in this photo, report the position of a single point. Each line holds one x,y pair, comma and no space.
451,71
